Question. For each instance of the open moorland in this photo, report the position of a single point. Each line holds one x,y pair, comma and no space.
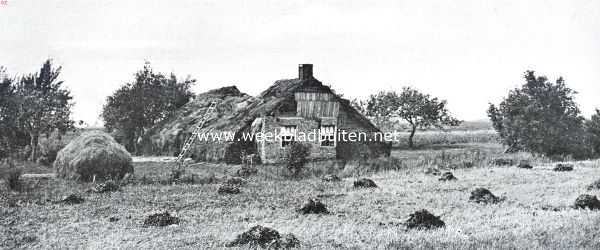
535,210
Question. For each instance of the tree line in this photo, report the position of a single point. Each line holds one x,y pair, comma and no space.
540,116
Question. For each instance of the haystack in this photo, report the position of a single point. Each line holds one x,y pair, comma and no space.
93,154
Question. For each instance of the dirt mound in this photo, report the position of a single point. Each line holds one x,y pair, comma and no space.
525,165
503,162
594,185
447,176
563,167
93,155
313,206
423,219
235,181
228,189
266,238
331,178
587,201
483,196
105,187
432,171
245,172
364,183
71,199
160,220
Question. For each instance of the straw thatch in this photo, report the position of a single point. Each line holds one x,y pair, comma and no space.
93,154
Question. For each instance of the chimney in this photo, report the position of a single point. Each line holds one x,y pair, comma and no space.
305,71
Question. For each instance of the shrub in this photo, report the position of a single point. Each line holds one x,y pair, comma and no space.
49,148
593,130
93,154
541,117
10,174
296,157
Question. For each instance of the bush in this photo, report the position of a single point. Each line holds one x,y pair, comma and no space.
541,117
49,148
93,154
10,174
296,156
593,130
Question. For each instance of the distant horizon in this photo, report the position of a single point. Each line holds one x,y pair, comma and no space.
469,53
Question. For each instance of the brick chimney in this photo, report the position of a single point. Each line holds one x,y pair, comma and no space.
305,71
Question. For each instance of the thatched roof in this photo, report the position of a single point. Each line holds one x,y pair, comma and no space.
234,112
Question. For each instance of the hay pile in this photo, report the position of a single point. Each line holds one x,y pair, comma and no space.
484,196
364,183
447,176
423,219
228,189
563,167
313,206
586,201
160,220
264,237
93,154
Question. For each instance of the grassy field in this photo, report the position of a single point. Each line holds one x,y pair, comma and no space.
536,212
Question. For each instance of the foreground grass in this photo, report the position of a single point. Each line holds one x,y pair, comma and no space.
536,213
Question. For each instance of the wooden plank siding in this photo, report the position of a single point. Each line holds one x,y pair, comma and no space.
314,105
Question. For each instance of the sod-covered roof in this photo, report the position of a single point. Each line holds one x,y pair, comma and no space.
234,112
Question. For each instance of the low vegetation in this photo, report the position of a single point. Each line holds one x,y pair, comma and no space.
537,209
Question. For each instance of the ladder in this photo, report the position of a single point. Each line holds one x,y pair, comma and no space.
190,140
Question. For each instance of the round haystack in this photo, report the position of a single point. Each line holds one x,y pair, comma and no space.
93,154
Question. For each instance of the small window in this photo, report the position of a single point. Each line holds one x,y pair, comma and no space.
327,136
288,135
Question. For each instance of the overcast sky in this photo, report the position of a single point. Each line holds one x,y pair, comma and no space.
468,52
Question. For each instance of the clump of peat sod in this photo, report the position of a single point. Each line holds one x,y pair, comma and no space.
447,176
228,189
586,201
364,183
235,181
483,196
594,185
259,236
503,162
423,219
160,220
563,167
105,187
331,178
432,171
524,165
71,199
313,206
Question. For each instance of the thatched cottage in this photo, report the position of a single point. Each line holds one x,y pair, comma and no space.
287,109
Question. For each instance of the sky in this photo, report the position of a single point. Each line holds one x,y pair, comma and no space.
470,53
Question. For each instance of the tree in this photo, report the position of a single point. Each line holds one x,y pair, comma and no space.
42,105
593,130
540,117
7,113
411,106
149,99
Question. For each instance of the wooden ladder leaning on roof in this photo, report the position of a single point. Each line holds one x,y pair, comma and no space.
190,140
